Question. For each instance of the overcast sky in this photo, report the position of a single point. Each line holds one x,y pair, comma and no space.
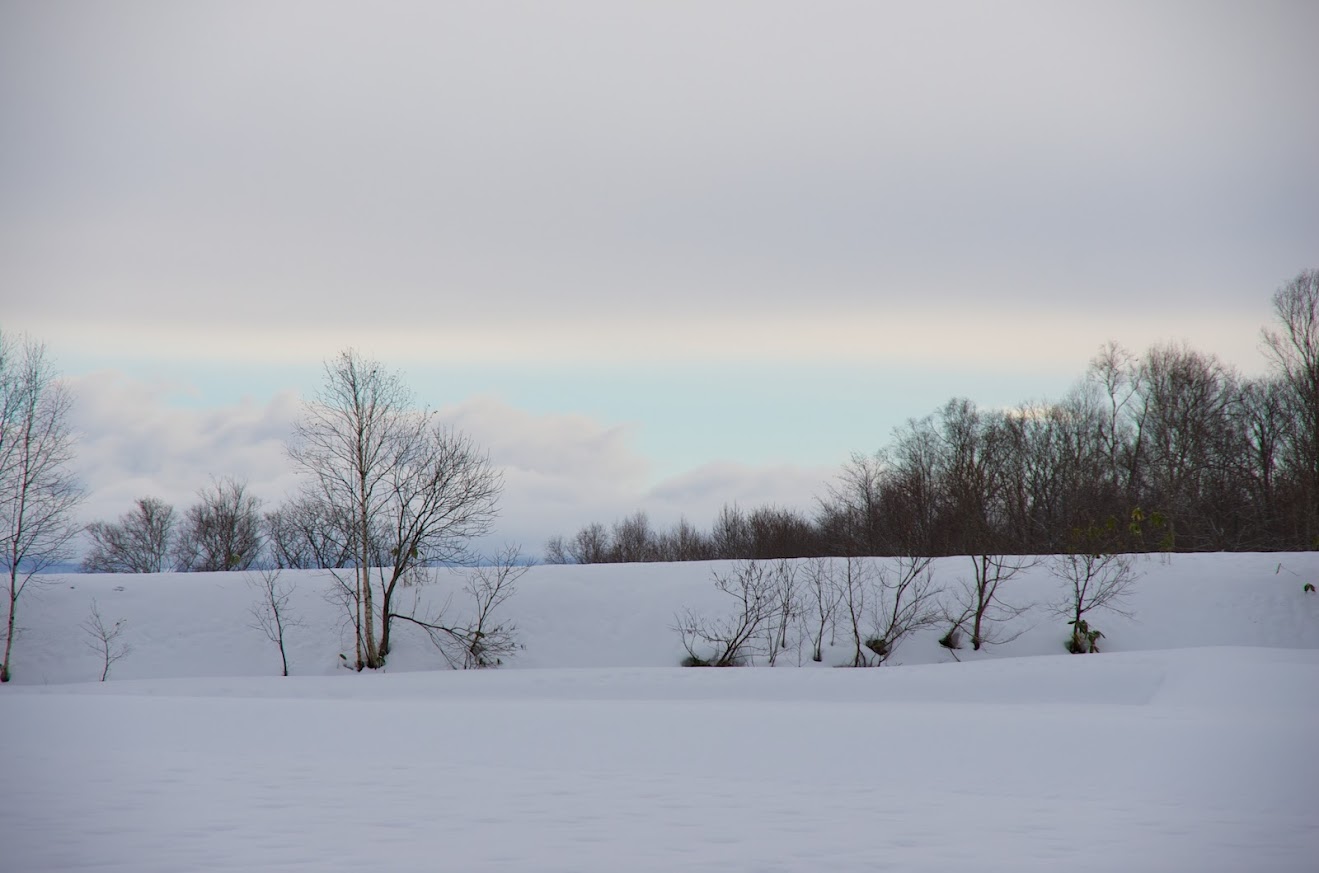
661,254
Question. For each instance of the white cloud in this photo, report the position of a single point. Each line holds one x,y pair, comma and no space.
135,440
561,471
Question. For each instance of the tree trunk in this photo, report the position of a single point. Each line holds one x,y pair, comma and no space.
9,635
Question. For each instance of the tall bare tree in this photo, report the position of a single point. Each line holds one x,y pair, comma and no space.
412,488
1294,347
139,542
38,493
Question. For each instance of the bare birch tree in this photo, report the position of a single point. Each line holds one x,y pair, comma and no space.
38,493
411,488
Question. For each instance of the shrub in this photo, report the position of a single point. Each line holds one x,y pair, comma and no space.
1084,638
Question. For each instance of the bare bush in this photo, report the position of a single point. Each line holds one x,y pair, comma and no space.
104,639
484,639
731,641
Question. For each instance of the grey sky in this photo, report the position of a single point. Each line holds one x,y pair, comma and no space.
992,189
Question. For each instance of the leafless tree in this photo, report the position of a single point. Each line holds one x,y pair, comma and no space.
556,551
303,534
1092,580
139,542
486,642
786,608
104,639
271,613
38,494
633,539
730,536
591,545
855,580
883,603
483,639
1294,348
981,603
904,601
853,511
730,641
222,531
822,602
683,542
400,474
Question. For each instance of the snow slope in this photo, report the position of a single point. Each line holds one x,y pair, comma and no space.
1189,746
192,625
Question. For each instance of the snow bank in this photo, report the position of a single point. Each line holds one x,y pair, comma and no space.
182,625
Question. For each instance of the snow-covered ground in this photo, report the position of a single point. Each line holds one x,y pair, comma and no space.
1189,745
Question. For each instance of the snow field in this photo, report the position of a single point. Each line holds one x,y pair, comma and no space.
1188,747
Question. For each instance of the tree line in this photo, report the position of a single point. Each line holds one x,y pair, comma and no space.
1171,450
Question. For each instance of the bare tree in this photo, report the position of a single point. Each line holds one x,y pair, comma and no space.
822,602
304,534
730,535
852,512
483,640
905,601
730,641
884,605
786,590
486,642
981,601
222,531
139,542
556,551
855,581
1294,347
38,494
1095,576
104,639
414,490
271,613
633,539
591,545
